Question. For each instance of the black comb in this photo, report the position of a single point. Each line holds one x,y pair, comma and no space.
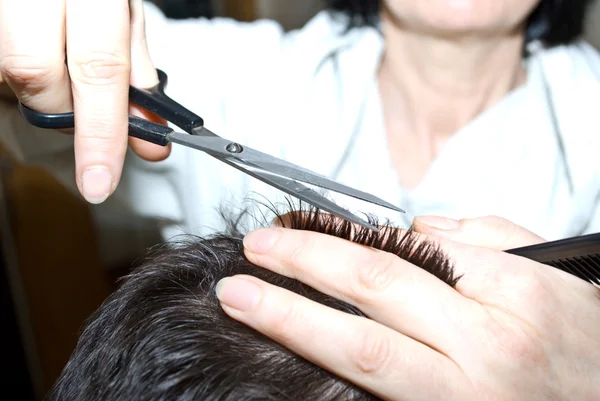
579,256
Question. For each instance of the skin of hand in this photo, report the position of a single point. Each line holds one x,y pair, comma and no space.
512,329
59,56
489,232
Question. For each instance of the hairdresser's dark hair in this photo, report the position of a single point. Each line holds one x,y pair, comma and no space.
553,22
163,336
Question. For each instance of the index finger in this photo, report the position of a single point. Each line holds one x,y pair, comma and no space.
376,358
405,297
98,50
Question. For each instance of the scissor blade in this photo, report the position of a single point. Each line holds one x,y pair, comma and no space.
298,173
209,142
306,194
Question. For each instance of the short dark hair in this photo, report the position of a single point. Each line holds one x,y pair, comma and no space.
163,336
553,22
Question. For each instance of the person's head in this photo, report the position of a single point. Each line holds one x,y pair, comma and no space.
551,22
163,335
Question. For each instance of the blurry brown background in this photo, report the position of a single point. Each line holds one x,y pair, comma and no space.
55,268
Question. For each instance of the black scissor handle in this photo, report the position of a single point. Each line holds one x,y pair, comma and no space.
155,100
138,127
50,121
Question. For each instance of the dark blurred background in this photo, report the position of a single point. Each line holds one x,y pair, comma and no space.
187,8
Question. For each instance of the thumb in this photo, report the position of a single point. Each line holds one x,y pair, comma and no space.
143,75
489,232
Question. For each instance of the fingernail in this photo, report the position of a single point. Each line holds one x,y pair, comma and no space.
238,293
440,223
261,240
96,183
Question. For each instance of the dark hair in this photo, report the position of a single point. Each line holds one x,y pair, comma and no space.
163,336
553,22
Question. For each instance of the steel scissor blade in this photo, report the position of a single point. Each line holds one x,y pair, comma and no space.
298,173
284,184
211,143
304,193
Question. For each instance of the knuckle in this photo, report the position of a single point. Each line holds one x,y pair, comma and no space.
504,230
530,287
283,324
296,255
99,68
374,353
97,139
516,344
519,287
493,230
372,277
98,131
27,70
301,251
497,277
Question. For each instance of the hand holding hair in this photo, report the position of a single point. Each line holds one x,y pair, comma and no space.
509,329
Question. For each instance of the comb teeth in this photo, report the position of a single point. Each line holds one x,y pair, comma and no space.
585,267
579,256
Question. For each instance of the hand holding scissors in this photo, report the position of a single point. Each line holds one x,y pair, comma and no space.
63,55
278,173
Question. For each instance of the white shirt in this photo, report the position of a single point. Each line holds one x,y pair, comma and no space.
310,97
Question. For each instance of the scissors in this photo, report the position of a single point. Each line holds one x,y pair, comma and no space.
278,173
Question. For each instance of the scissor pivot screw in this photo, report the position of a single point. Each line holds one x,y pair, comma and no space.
234,148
